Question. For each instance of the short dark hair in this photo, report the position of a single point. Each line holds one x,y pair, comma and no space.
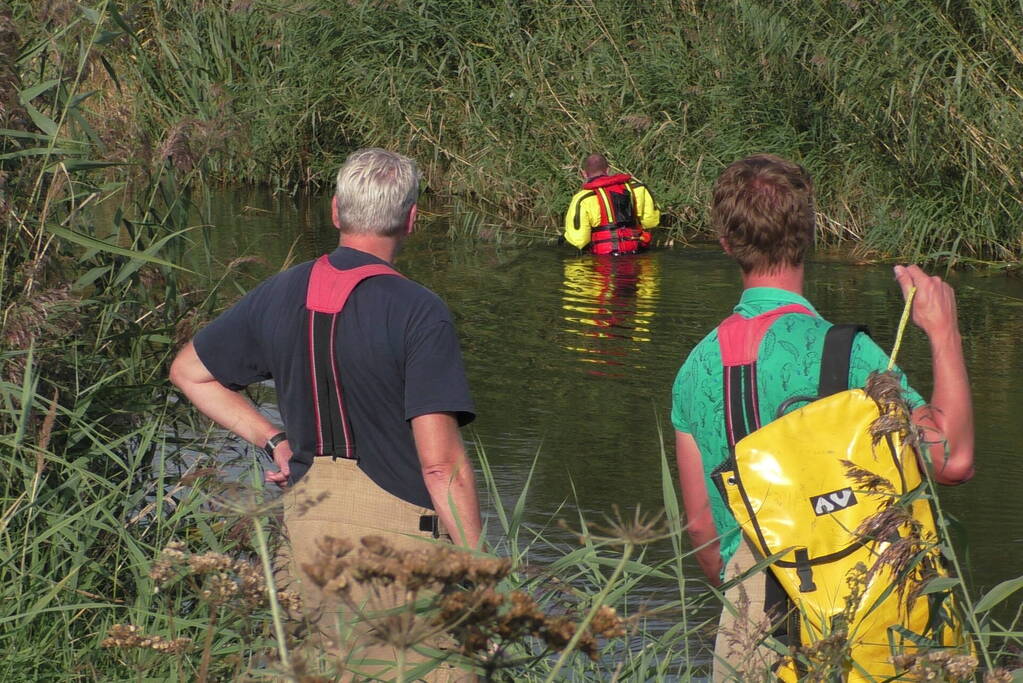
763,209
594,165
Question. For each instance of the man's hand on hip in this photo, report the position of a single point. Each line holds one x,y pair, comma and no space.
282,458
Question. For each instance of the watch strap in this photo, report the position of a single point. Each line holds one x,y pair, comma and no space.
273,442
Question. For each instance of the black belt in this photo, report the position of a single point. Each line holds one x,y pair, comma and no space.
430,523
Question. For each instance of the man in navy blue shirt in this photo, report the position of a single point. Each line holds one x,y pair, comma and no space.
371,388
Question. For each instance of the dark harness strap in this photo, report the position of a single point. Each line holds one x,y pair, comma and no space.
618,212
326,296
835,358
739,339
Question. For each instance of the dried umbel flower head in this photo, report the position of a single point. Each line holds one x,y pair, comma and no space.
607,623
377,562
209,562
166,566
329,571
220,588
290,601
641,529
937,665
226,579
130,636
445,588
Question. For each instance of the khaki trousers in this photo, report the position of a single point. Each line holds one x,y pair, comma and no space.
738,652
335,498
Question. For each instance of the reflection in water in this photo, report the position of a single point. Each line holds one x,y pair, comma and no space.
608,303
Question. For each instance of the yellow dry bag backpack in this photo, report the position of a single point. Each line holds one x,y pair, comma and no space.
841,502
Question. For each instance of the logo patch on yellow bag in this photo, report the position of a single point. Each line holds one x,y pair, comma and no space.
827,503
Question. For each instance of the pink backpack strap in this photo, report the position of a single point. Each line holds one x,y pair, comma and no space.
329,287
739,337
739,340
326,295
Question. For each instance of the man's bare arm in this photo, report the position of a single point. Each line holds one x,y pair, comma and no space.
229,409
448,475
696,502
947,421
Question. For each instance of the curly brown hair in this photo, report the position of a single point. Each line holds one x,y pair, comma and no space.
763,210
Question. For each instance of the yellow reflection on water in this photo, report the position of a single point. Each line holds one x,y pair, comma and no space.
608,305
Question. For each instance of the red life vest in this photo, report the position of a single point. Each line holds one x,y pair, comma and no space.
619,231
326,295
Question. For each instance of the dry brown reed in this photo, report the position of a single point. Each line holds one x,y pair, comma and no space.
904,556
745,641
189,140
828,658
12,114
222,580
462,594
886,391
940,665
45,315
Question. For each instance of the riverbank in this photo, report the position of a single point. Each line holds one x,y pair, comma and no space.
907,115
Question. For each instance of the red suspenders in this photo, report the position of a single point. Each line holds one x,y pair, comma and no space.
326,296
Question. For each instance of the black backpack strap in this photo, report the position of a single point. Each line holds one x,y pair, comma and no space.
835,358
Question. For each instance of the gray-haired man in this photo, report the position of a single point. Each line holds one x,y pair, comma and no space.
368,375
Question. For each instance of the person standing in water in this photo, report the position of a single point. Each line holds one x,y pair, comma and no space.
762,211
611,214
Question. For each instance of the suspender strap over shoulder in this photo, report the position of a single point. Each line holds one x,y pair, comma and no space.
739,339
326,295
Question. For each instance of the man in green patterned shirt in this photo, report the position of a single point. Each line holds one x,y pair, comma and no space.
762,211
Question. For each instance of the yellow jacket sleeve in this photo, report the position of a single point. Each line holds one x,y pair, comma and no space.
579,220
647,211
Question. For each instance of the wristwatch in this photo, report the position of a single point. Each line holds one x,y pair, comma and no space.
273,442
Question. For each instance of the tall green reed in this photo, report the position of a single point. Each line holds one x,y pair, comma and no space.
905,113
93,299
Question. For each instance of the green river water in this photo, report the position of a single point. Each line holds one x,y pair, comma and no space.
571,360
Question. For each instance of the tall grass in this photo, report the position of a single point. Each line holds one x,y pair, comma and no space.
111,125
906,113
91,311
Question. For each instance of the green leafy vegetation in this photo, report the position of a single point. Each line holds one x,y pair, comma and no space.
114,120
907,114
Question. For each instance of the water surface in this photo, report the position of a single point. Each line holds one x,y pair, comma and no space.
571,359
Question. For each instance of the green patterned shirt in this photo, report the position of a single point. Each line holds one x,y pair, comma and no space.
788,364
